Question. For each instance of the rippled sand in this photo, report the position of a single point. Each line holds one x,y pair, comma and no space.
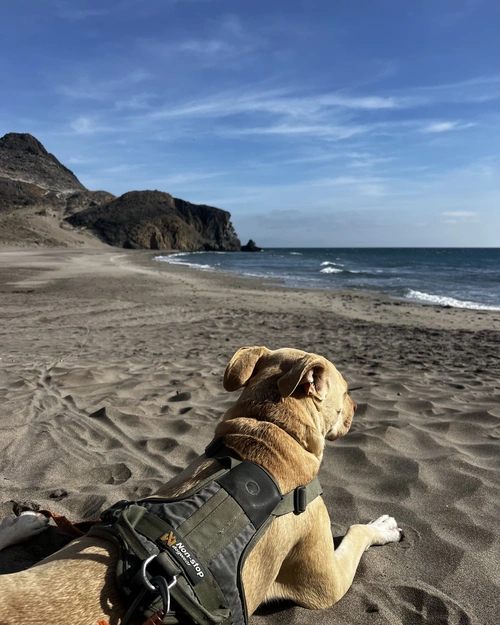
148,342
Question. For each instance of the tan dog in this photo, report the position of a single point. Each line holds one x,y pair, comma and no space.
291,402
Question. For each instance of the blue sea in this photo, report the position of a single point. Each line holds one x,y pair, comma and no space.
458,277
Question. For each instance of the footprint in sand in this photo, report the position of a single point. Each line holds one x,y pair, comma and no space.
425,605
186,396
111,474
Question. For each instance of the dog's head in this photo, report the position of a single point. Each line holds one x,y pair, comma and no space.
303,393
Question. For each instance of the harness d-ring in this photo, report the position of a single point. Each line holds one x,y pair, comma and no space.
162,586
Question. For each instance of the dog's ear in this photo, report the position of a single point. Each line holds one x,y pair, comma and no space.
241,367
310,373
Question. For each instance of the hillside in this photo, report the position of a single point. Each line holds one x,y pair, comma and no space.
43,203
156,220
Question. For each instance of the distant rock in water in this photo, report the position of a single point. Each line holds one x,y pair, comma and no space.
250,247
155,220
43,203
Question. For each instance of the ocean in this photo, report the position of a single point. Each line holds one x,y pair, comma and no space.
458,277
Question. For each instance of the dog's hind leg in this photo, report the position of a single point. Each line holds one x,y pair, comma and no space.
17,529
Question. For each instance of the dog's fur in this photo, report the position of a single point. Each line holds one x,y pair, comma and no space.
291,402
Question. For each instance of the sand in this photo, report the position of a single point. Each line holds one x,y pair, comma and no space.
89,329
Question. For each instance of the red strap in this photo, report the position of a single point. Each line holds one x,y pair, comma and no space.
80,528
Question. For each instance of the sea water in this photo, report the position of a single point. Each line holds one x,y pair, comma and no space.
459,277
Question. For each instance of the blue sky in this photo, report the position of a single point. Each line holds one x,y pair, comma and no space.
315,123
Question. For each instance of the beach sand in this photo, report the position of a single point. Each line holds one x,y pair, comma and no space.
90,329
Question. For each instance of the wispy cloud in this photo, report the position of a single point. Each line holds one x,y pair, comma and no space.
370,161
436,127
359,185
473,90
84,125
276,102
327,132
76,14
459,214
226,41
185,177
67,9
88,88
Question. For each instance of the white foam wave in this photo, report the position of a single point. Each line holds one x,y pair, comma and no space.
176,259
296,254
330,270
327,262
443,300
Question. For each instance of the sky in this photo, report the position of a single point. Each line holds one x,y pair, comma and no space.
318,123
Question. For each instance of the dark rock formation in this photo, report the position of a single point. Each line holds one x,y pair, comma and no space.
86,199
43,203
156,220
250,247
37,192
24,159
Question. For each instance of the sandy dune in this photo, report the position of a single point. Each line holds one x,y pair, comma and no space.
110,383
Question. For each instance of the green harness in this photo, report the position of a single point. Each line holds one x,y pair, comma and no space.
181,558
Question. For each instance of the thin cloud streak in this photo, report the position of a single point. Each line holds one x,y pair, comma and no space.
275,102
437,127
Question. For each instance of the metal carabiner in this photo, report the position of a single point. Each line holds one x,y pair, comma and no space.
145,579
158,584
161,585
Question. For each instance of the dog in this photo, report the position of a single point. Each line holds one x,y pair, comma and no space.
291,402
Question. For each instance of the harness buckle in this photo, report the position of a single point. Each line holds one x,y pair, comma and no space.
300,499
159,585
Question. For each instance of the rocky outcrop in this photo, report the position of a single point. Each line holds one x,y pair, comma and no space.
250,247
82,200
43,203
23,159
156,220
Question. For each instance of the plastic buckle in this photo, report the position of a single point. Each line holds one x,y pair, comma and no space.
300,499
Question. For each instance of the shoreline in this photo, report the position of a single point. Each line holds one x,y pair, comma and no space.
366,305
87,329
414,295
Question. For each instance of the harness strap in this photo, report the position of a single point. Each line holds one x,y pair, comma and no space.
217,449
297,500
183,553
205,603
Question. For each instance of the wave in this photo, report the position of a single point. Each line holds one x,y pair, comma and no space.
174,259
443,300
296,254
330,269
328,262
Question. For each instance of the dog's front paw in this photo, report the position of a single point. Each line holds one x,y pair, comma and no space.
17,529
387,530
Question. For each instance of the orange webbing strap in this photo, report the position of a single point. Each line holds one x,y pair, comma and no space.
80,528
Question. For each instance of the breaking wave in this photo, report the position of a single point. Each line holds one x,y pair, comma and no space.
443,300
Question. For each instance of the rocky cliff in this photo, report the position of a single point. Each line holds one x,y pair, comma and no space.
156,220
43,203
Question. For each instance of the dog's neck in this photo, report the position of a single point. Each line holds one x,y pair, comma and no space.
267,444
